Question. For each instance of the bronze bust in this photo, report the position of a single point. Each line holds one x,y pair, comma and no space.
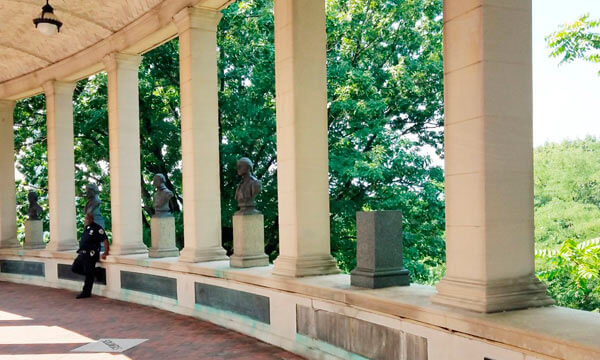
247,189
92,205
162,196
35,210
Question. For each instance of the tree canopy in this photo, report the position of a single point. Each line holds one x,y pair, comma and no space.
577,40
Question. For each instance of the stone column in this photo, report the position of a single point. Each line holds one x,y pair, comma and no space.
8,198
200,134
61,166
489,157
302,151
124,145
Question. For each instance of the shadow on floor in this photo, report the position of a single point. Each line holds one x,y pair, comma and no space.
39,320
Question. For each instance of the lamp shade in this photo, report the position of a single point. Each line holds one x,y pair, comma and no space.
47,23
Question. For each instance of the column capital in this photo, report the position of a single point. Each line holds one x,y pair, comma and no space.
54,87
115,60
197,18
7,105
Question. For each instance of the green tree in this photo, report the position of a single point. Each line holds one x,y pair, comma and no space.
577,40
567,201
574,275
31,156
567,216
385,94
247,109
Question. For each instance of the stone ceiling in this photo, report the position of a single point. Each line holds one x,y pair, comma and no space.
23,49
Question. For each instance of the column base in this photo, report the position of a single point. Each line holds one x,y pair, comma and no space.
128,250
247,261
69,245
375,279
492,296
161,253
191,255
9,243
34,246
305,266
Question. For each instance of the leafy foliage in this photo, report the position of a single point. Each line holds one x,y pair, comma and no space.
577,40
247,109
567,215
386,102
567,202
31,156
574,275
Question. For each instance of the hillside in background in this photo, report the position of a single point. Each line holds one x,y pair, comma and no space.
567,192
567,221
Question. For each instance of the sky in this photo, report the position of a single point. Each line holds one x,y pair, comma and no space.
565,97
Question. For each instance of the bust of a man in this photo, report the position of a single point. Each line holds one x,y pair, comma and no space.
35,210
92,206
247,189
162,196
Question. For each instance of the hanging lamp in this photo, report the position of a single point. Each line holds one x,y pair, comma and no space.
47,23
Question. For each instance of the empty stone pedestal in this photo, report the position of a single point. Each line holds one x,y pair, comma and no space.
248,241
34,235
379,250
163,237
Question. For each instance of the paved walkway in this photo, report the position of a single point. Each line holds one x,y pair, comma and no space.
43,323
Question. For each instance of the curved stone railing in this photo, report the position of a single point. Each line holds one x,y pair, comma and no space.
322,317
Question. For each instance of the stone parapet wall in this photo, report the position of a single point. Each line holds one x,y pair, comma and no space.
320,317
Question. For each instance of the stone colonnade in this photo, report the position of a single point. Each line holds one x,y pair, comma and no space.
301,134
488,147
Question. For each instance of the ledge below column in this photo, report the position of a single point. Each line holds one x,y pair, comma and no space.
305,266
492,296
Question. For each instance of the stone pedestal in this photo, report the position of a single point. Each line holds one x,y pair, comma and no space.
34,235
163,237
248,241
379,250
